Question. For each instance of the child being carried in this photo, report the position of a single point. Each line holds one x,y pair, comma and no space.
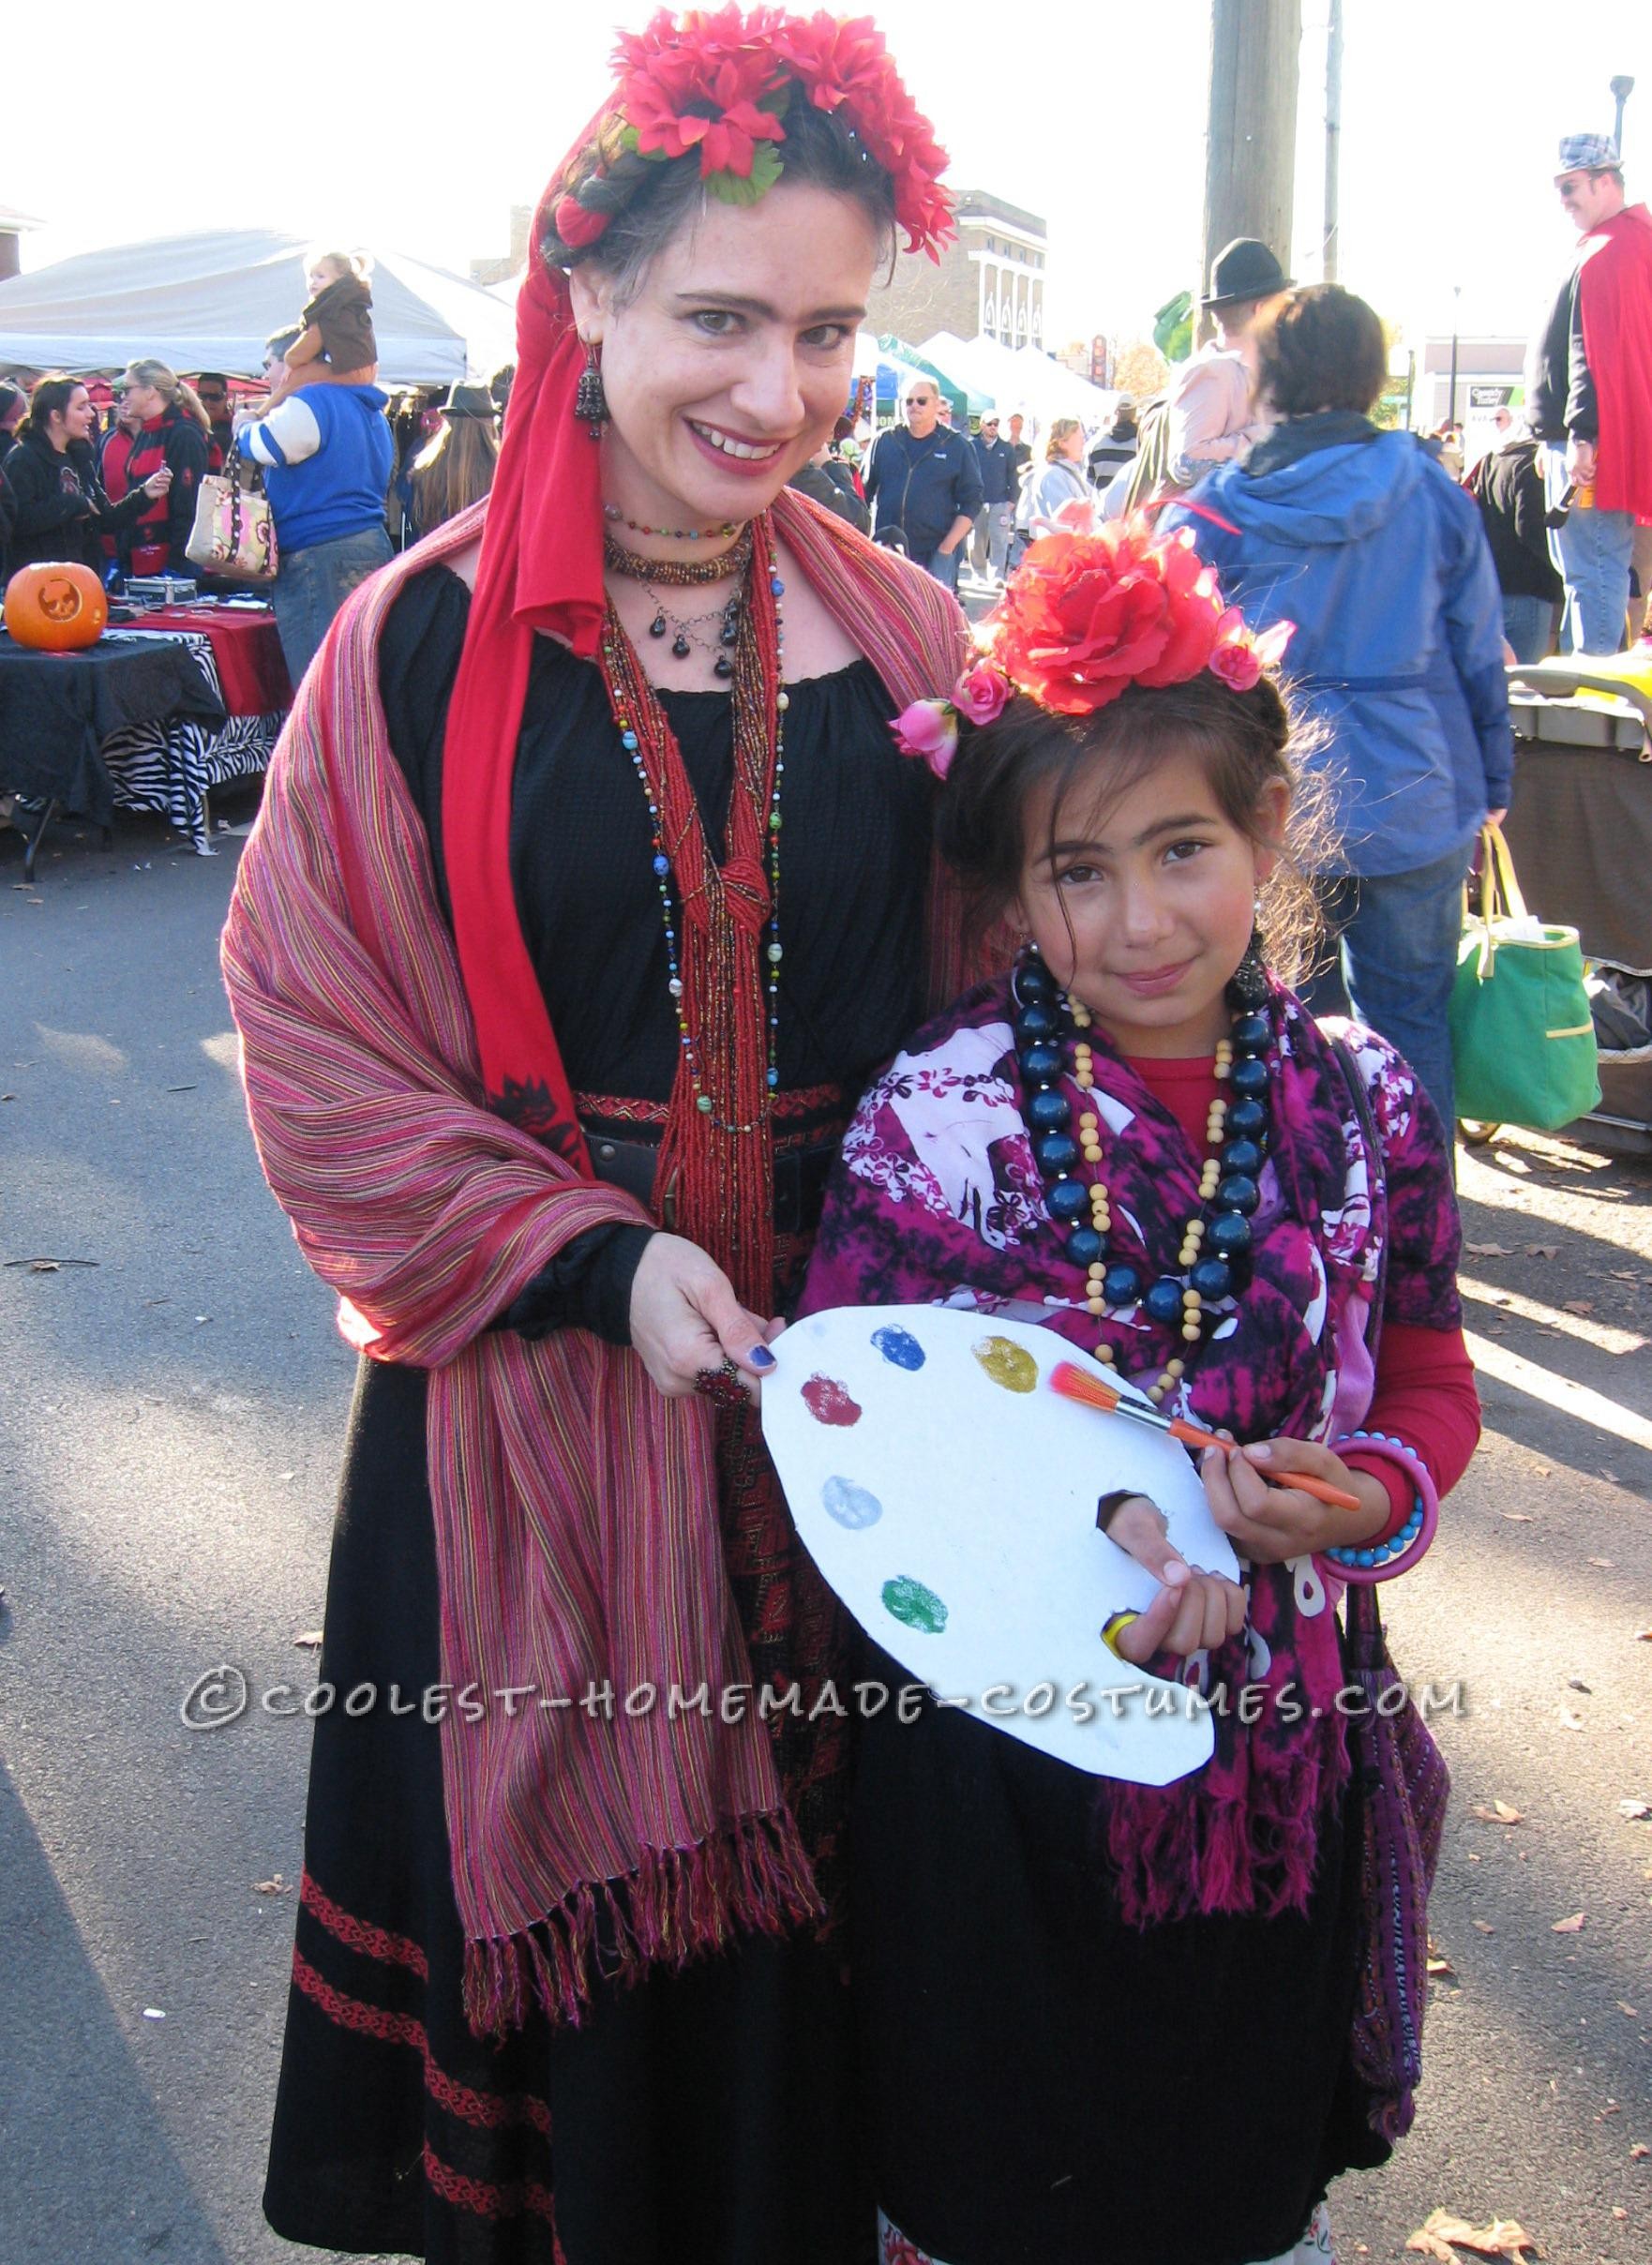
337,346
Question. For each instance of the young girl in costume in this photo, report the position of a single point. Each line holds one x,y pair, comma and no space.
336,345
1105,2023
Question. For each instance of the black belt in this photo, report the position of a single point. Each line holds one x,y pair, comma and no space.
800,1181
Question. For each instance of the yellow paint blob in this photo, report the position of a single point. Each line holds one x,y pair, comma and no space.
1007,1363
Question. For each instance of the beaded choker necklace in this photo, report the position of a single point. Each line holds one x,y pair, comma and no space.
673,534
678,574
1213,1258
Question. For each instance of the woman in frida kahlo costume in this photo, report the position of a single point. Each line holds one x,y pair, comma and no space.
589,890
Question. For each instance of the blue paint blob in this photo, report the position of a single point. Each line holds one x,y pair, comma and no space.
900,1349
850,1505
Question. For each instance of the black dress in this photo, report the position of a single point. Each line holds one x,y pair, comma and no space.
706,2115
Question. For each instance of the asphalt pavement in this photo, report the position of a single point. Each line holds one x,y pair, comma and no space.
171,1420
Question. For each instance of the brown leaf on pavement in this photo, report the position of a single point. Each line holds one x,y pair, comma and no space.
1437,1961
310,1641
1542,1250
1607,1565
1499,1813
1484,1927
1644,1635
1639,2152
1624,2007
1635,1811
1489,1250
275,1885
1518,1517
1577,1305
1574,1926
1610,1477
1502,2238
1613,2108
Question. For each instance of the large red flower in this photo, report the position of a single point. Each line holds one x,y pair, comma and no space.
708,82
1088,614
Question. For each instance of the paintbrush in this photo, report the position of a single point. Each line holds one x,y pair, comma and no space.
1093,1392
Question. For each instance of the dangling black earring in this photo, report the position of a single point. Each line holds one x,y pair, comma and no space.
1247,986
590,404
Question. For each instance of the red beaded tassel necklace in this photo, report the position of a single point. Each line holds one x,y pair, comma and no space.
716,1152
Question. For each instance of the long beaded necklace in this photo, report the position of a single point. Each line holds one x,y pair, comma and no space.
1215,1248
678,849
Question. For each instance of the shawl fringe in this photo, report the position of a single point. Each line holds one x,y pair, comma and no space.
1172,1858
679,1904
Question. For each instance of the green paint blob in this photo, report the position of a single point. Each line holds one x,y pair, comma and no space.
916,1607
1007,1363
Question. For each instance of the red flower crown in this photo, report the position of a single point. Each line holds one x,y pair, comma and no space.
721,84
1087,615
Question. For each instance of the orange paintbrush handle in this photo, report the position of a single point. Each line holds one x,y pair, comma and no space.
1194,1435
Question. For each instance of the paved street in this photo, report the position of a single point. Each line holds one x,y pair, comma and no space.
170,1433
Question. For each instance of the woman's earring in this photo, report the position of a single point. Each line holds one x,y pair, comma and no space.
590,404
1247,986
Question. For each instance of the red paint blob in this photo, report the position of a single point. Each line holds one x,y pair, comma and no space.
828,1402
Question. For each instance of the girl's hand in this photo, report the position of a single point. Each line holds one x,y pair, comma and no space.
158,483
1192,1612
686,1319
1268,1523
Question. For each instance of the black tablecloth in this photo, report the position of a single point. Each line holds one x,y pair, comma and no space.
57,708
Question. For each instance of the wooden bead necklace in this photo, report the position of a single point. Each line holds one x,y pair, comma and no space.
1213,1256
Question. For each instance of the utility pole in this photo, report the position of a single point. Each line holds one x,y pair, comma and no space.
1333,138
1251,146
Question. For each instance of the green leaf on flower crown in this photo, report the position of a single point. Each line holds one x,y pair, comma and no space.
738,189
776,99
629,142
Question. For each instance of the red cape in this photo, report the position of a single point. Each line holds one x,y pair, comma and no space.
1614,297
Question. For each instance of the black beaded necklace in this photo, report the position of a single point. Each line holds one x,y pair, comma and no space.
1214,1255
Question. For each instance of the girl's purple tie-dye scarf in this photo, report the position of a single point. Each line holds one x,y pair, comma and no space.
938,1197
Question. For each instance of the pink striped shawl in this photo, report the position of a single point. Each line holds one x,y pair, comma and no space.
576,1513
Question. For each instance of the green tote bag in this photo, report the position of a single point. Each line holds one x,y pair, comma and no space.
1522,1044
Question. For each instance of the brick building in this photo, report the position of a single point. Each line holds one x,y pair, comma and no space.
989,283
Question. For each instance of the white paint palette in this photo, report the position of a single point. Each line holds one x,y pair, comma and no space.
949,1496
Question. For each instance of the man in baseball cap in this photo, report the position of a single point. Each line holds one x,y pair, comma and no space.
1589,394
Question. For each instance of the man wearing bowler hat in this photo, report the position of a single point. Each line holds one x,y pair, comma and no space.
1213,415
1589,395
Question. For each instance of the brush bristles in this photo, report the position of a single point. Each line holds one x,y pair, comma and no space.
1072,1383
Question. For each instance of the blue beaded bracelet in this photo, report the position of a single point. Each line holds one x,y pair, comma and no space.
1382,1560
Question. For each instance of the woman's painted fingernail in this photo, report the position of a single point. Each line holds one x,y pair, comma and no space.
760,1357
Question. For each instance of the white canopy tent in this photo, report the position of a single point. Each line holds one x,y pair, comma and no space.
209,302
1019,378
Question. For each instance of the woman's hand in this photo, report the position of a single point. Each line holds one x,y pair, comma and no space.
1271,1523
686,1319
158,483
1194,1610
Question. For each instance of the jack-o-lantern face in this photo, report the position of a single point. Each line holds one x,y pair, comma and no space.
55,606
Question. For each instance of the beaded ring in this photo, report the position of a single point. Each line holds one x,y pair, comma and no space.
1382,1560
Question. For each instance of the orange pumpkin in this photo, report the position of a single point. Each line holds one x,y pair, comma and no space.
55,608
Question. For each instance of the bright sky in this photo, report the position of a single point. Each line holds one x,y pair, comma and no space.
406,128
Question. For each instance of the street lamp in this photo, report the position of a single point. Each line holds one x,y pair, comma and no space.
1621,89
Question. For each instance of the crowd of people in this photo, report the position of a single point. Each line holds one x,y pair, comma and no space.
664,921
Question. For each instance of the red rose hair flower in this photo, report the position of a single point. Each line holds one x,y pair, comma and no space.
1087,615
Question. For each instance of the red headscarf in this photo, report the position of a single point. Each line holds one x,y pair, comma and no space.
541,569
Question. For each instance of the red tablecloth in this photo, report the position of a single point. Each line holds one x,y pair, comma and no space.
244,646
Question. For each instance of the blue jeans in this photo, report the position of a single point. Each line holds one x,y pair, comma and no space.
1594,551
1397,934
944,567
312,583
1527,624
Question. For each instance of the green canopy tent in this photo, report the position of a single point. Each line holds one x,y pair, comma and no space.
966,403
